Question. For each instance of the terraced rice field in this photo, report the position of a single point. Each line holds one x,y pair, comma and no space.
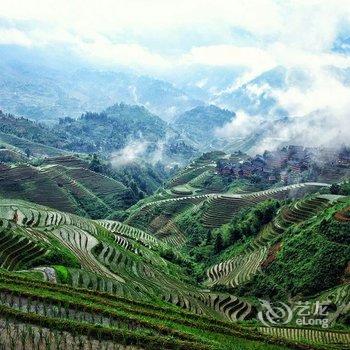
23,336
16,248
223,207
37,216
36,314
195,199
237,270
81,243
170,234
129,231
130,266
190,173
159,217
67,188
22,144
117,261
313,335
232,307
240,269
19,182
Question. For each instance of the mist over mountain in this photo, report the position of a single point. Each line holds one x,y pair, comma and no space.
122,131
174,175
199,124
55,67
46,86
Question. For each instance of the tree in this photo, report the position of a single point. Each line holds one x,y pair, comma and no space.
95,164
235,235
334,189
219,244
209,238
28,152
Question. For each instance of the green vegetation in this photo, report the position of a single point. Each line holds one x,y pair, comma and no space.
103,133
248,222
182,268
82,311
192,122
313,258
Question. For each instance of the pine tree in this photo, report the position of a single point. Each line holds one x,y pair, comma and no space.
219,244
209,238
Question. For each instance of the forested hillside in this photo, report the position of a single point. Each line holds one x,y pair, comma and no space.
104,133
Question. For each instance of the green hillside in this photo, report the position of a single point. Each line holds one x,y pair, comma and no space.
105,286
103,133
185,267
71,187
112,258
200,123
107,282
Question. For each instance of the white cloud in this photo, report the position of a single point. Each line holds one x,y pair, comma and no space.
240,126
129,154
139,149
13,36
319,114
325,92
129,55
229,55
197,32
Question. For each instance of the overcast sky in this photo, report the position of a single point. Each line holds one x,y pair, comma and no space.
168,38
162,34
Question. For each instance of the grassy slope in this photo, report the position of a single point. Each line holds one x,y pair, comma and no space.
177,329
146,276
35,148
313,257
69,188
156,326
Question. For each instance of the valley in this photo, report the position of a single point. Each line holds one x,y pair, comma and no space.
82,264
174,175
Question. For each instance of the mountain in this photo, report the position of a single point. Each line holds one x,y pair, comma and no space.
81,185
124,131
83,260
110,283
254,97
47,87
199,123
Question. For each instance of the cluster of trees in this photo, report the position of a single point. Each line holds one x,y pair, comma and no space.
142,179
204,245
342,189
245,224
314,258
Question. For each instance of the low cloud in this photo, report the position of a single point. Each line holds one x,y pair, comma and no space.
318,113
133,151
230,55
251,34
136,150
325,92
242,125
13,36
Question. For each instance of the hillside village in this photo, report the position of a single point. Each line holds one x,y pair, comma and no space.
288,165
